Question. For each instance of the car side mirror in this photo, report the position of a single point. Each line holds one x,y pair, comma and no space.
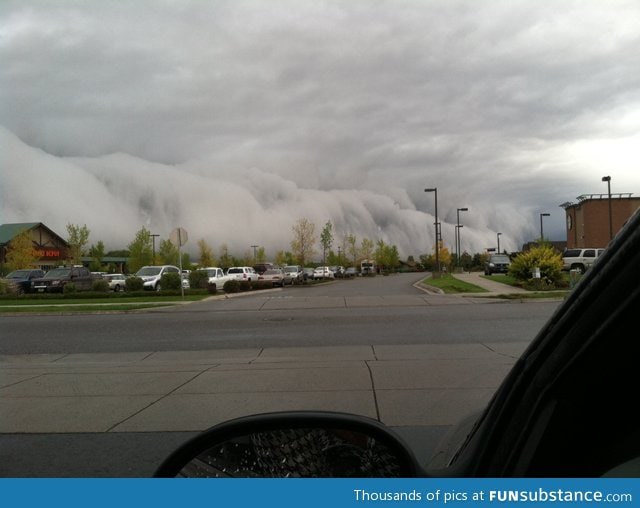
295,445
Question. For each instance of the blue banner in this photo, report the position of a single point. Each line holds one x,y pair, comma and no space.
284,493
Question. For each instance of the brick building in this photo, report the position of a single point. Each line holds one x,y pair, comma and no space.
588,221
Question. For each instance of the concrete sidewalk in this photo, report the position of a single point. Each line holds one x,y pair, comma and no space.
414,385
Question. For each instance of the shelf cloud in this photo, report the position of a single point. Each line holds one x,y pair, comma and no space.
234,119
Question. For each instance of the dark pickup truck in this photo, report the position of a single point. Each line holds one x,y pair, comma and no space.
56,279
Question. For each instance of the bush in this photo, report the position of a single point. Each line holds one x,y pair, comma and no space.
100,285
171,281
5,289
543,257
231,286
69,288
134,284
198,279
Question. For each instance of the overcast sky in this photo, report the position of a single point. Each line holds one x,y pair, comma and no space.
234,119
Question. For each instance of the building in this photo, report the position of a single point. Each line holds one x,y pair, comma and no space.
52,249
596,218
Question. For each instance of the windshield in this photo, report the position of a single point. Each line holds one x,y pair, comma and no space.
57,273
385,152
148,271
19,274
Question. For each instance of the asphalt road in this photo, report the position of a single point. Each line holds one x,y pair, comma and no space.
378,310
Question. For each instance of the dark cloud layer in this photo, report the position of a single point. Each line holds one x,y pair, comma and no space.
214,114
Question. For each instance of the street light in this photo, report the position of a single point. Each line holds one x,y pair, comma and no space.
153,243
435,191
255,255
541,230
498,236
458,234
608,180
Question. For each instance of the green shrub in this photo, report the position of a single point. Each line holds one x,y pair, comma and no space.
134,284
4,288
100,285
198,279
171,281
543,257
68,288
231,286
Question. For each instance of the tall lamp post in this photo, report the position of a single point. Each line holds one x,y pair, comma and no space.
435,191
541,230
153,244
608,180
498,236
458,235
255,254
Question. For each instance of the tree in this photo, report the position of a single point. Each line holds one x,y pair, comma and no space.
226,260
352,248
205,254
77,239
168,253
21,252
261,255
140,250
303,241
366,249
97,253
281,258
387,255
326,240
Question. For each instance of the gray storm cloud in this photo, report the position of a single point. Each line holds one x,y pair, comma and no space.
116,195
234,119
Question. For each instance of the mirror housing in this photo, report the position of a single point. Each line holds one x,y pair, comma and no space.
301,444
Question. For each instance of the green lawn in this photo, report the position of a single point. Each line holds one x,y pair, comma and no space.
449,284
114,302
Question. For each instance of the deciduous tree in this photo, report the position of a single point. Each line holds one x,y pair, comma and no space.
303,241
326,240
205,254
140,250
78,236
21,252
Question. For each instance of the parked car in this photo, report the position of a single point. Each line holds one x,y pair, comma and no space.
117,281
247,273
580,259
307,273
273,275
216,276
260,268
351,272
338,271
19,281
497,263
323,272
55,280
152,274
293,274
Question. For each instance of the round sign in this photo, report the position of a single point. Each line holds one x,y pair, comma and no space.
179,237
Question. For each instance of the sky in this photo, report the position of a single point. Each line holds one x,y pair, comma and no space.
234,119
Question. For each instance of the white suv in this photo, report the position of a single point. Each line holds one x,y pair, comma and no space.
151,275
242,273
580,259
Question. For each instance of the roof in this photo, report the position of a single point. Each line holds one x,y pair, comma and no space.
9,231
